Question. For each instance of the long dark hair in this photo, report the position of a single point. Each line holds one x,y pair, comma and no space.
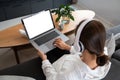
93,37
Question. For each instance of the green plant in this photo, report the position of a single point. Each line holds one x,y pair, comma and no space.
63,11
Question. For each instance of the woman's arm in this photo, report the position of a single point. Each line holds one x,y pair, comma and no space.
47,67
48,70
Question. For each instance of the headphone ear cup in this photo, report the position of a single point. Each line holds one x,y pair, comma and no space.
81,46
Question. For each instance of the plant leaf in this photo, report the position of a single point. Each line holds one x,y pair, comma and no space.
58,18
71,17
65,11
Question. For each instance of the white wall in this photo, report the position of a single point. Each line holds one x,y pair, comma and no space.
107,9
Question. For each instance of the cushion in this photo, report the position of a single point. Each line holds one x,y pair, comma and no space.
14,77
110,44
113,30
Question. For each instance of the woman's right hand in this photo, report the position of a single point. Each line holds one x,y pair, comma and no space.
61,44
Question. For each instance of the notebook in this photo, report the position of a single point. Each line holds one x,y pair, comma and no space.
41,31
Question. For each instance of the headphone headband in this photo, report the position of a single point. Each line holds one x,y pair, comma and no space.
77,42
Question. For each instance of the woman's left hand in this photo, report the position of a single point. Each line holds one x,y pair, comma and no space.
42,55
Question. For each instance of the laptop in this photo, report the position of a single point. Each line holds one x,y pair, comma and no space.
41,31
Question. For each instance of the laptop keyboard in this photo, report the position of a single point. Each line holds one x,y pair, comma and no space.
46,38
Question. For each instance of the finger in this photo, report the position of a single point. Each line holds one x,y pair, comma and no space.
56,42
57,45
58,39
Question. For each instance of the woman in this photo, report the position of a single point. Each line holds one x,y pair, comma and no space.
86,61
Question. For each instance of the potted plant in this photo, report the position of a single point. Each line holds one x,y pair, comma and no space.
64,12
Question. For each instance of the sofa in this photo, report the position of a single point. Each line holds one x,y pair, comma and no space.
113,74
115,30
33,69
114,71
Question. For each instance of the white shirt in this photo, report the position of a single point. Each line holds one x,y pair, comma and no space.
71,67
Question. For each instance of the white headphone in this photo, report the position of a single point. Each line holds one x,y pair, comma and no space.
78,45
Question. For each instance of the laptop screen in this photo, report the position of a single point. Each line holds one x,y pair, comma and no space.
38,23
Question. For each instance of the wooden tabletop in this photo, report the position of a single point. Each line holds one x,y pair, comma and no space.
11,37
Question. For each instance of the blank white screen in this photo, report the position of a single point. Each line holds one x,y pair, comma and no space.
38,24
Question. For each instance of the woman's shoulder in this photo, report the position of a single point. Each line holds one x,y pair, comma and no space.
72,57
66,60
68,57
